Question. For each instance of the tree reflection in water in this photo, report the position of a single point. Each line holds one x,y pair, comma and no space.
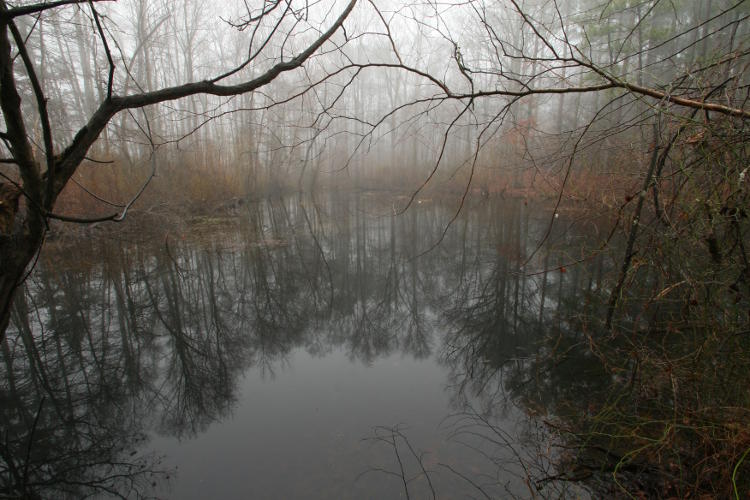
503,325
110,341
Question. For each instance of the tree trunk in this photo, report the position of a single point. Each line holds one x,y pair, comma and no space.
21,231
16,252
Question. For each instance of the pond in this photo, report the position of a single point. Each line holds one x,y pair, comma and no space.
301,347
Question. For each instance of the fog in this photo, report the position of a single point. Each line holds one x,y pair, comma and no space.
401,90
514,228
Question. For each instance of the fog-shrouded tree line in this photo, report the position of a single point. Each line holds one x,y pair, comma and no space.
633,110
247,94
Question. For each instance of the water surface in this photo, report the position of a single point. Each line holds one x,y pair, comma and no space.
299,348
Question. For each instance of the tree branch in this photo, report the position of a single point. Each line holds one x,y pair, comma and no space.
110,61
25,10
76,151
41,104
10,103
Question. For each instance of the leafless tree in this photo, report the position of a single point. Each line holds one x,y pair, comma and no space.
492,69
42,171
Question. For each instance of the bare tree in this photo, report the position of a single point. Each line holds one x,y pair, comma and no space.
42,172
517,61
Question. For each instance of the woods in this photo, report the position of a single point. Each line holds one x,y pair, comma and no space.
41,186
631,114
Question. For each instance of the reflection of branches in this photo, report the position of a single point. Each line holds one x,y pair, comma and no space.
530,458
469,480
92,456
167,330
201,387
471,424
393,436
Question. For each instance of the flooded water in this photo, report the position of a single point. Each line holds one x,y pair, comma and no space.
301,348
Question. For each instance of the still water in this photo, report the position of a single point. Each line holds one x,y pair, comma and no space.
305,347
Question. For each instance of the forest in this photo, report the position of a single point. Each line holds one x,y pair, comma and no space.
546,200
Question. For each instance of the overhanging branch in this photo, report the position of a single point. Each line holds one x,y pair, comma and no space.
76,151
26,10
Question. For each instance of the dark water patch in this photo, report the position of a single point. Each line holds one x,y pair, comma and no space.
302,349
